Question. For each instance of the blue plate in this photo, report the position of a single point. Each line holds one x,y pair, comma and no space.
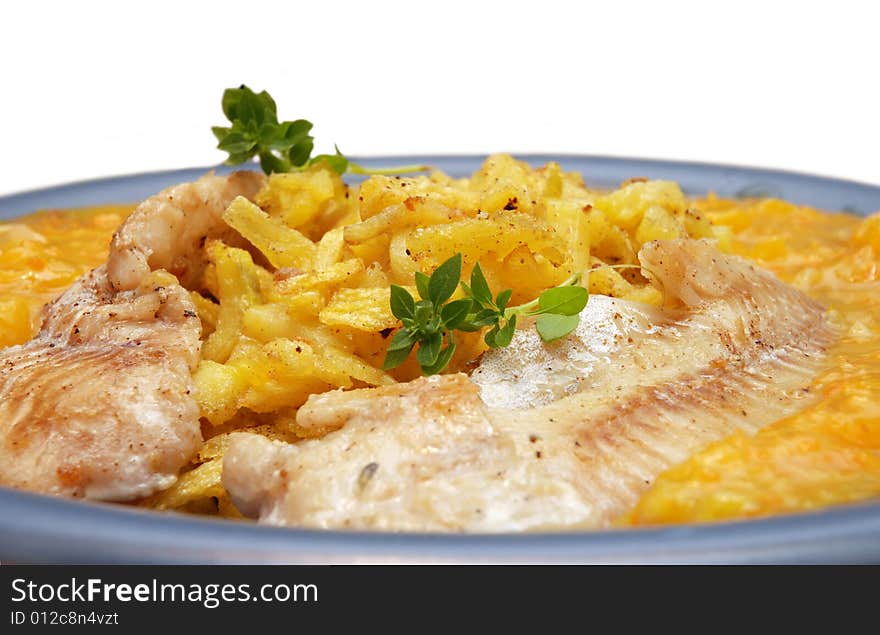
37,528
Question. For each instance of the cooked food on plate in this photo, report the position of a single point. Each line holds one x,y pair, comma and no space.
550,435
99,404
513,350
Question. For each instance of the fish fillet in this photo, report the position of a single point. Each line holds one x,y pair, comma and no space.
550,436
100,403
168,230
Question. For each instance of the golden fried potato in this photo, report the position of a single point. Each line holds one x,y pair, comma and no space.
238,288
218,388
283,246
299,197
331,248
627,205
327,278
480,238
381,192
200,483
362,309
208,312
658,224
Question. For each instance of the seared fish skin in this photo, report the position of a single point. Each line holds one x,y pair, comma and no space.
551,436
100,403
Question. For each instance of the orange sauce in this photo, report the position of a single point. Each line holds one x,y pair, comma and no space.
828,453
41,254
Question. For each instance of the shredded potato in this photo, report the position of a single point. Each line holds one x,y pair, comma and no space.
282,245
316,316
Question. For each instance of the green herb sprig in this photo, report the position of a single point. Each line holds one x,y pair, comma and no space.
557,309
284,146
431,321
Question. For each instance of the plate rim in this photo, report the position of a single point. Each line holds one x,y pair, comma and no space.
453,156
844,533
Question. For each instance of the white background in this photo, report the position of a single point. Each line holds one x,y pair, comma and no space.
93,88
